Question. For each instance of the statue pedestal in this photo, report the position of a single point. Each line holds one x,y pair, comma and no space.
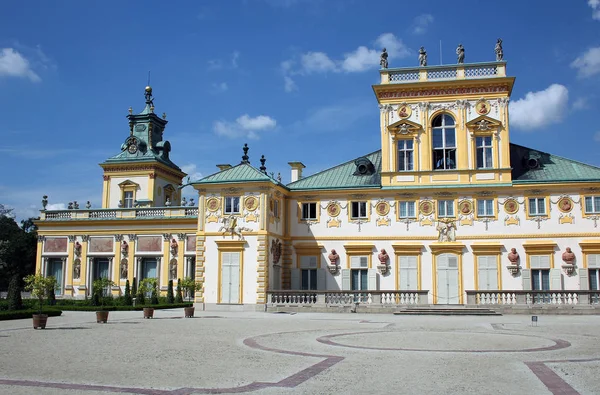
568,268
383,269
333,269
513,269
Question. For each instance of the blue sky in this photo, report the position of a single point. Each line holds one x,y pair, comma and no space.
292,78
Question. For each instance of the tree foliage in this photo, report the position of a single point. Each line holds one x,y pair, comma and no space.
18,247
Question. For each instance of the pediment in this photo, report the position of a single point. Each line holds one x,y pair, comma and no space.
484,124
404,127
128,183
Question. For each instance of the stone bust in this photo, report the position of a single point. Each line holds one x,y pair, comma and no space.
333,257
383,257
568,256
513,256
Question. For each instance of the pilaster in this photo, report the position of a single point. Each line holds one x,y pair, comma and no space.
131,259
462,138
262,268
200,248
38,256
116,275
181,261
166,258
85,264
69,263
286,263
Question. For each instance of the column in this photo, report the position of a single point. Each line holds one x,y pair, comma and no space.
85,265
181,261
164,268
38,258
131,260
68,267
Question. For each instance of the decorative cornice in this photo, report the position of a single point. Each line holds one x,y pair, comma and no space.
449,90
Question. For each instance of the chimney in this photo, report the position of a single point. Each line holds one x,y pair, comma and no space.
296,170
224,167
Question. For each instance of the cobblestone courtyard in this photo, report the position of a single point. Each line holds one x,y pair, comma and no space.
305,353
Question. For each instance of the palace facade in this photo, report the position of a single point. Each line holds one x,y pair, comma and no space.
447,211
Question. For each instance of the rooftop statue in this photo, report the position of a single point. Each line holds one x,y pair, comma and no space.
499,51
460,54
383,62
422,57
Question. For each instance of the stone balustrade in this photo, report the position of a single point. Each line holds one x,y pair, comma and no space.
346,298
444,72
518,297
119,213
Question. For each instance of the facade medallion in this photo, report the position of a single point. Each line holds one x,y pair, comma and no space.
565,205
251,203
511,206
213,204
482,107
334,209
426,207
465,207
382,208
404,111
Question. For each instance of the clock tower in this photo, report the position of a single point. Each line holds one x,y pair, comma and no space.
142,174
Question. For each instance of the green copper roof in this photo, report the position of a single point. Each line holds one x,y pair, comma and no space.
342,176
532,166
244,172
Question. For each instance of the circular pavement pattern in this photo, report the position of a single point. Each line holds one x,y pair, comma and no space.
451,341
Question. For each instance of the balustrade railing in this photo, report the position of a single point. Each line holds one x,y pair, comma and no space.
119,213
443,72
518,297
347,298
59,215
150,212
103,214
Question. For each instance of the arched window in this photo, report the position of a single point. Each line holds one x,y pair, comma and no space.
444,142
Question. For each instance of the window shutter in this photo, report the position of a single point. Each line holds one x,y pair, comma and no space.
321,280
593,279
480,208
346,279
588,205
372,279
295,279
584,281
555,279
355,262
411,209
526,279
593,260
483,273
403,209
364,262
532,207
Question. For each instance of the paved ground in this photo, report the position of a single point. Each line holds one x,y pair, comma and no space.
310,353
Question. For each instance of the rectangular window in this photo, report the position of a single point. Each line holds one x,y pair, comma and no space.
359,280
407,210
537,206
309,279
359,262
540,279
407,273
405,155
484,152
359,210
594,275
487,268
128,199
444,149
232,205
592,204
445,208
276,208
485,208
309,211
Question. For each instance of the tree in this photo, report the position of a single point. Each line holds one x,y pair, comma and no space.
18,247
170,297
14,294
178,293
127,296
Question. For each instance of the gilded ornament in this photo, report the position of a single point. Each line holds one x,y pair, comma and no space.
212,204
565,205
251,203
382,208
465,207
334,209
334,223
482,107
404,111
511,206
426,207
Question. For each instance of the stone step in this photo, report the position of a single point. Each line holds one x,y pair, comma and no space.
458,310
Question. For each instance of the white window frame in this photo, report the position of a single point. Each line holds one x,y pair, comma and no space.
231,201
361,208
445,129
481,144
403,147
128,201
306,209
594,204
486,204
443,206
537,206
407,207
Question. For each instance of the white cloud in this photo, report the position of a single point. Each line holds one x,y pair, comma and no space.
57,206
595,4
244,126
317,62
234,59
219,64
588,64
361,59
597,136
220,87
539,109
192,171
13,64
581,104
421,23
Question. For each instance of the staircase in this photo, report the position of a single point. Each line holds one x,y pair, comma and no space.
445,310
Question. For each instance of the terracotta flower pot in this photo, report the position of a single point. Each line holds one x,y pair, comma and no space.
101,316
189,311
148,312
39,321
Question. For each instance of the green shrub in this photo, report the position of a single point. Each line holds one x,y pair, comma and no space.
127,296
154,297
14,294
134,289
40,287
178,293
170,296
21,314
191,286
126,308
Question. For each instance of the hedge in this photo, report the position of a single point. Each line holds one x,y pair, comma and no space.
124,308
22,314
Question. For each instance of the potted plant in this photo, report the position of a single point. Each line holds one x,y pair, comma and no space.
190,286
99,287
149,285
40,288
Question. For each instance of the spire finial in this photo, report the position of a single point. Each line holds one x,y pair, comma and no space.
245,158
263,168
